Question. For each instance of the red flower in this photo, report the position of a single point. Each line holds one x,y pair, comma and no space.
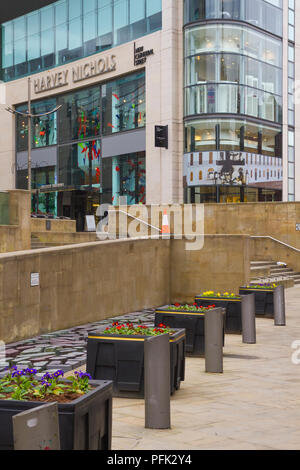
195,304
162,325
177,304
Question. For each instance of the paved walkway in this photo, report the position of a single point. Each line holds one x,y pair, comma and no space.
255,404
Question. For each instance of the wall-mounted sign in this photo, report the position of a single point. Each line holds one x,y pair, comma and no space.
232,168
90,223
78,73
161,136
35,279
298,227
140,56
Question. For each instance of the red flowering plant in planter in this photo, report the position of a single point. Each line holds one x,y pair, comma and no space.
189,308
129,329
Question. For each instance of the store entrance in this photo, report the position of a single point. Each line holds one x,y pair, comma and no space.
77,205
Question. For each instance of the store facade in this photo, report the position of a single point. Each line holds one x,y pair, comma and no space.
112,84
219,75
238,115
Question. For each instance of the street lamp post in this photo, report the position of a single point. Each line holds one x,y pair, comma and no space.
29,116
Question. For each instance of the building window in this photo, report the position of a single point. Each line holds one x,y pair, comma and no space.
79,117
123,104
69,30
264,14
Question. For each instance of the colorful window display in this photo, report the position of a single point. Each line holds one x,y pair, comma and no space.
79,165
124,176
44,128
79,117
124,106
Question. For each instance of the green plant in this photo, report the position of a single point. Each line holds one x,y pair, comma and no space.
24,385
190,308
129,329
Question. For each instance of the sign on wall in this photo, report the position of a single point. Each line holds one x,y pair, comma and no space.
35,279
233,168
140,56
161,136
298,227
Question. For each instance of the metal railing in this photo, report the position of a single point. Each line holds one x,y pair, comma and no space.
277,241
140,220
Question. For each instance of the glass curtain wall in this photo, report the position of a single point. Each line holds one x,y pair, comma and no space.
265,14
76,129
233,100
233,69
72,29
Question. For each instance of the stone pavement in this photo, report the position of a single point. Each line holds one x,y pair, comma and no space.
254,405
64,350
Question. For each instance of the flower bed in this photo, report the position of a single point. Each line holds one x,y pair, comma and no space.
233,303
21,390
190,317
117,354
264,298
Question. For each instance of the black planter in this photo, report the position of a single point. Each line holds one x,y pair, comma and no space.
233,307
84,424
121,359
193,322
264,300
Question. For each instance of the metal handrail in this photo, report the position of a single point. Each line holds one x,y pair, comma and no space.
277,241
140,220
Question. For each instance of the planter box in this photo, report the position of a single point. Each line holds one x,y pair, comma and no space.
193,322
264,300
121,359
233,307
85,423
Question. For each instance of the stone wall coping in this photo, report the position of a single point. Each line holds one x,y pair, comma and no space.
77,246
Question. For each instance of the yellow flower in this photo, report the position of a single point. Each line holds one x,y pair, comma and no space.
218,294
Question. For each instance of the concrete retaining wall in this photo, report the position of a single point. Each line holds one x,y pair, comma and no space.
92,281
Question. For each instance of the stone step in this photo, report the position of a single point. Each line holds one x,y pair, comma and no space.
263,263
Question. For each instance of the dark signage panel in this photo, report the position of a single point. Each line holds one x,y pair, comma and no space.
161,136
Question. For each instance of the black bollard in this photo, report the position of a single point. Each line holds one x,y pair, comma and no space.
248,319
157,382
214,340
279,306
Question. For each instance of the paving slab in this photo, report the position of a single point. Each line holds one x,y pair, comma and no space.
253,405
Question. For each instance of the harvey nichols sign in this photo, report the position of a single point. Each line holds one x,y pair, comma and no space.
78,73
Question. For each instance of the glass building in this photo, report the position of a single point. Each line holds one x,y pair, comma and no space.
68,147
69,30
233,100
219,74
73,169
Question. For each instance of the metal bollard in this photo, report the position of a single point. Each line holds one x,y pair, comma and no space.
157,382
279,306
37,429
214,338
248,319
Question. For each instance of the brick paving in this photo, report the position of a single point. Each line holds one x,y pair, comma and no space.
65,349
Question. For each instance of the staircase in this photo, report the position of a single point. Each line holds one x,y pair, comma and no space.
272,271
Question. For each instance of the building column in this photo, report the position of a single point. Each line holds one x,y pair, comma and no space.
164,94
